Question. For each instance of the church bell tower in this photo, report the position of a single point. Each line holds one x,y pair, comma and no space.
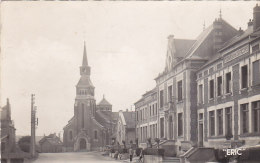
85,103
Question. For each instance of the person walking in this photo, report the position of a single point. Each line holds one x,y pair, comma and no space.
131,153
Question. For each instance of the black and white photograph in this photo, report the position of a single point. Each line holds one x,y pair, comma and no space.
130,81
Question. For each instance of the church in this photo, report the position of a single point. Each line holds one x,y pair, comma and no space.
92,126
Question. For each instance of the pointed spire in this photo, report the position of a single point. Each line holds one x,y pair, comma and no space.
220,14
204,26
85,59
103,96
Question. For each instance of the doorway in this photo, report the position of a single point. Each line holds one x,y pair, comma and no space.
82,144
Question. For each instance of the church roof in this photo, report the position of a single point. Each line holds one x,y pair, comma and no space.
85,81
104,102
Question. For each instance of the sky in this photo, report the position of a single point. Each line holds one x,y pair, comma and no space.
42,50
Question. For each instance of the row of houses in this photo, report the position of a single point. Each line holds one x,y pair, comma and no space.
209,91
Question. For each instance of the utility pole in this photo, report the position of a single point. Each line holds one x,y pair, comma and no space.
33,126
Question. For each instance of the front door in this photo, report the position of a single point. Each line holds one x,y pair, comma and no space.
82,144
201,134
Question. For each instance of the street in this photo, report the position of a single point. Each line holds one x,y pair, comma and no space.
86,157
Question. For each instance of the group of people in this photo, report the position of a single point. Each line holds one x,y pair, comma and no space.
131,152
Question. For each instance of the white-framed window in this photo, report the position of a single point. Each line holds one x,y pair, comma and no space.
211,89
244,120
212,123
228,82
219,85
180,89
244,76
200,93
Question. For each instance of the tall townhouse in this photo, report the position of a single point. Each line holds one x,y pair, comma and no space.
176,86
228,87
146,117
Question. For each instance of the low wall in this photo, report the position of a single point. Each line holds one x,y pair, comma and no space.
152,159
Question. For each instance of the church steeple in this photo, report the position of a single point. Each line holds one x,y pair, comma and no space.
85,69
85,59
85,86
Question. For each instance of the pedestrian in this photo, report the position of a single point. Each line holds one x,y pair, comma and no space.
131,153
141,156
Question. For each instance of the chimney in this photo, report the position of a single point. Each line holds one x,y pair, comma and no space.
256,15
240,31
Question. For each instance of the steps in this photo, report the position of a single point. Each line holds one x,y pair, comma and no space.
171,160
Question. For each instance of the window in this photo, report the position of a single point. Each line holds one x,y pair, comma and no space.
141,115
256,73
201,116
95,134
200,75
180,124
137,115
244,118
205,72
161,98
179,90
211,89
70,135
244,77
219,80
170,127
156,108
219,66
228,118
169,93
162,127
153,109
82,120
228,82
150,110
220,121
255,48
211,70
256,116
200,94
212,123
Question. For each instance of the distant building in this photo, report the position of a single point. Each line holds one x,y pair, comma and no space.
126,127
50,144
7,130
147,117
92,126
10,152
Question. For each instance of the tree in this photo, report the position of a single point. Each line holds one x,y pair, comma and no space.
24,143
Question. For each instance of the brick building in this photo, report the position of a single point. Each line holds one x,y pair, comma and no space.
92,126
228,88
147,117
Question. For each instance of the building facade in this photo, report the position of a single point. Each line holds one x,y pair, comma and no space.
147,117
229,91
126,127
92,125
50,144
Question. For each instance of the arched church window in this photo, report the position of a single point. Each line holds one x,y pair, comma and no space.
82,108
95,134
70,135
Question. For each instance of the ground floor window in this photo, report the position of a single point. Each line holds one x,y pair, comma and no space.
228,118
256,116
220,121
212,123
162,127
244,118
180,124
